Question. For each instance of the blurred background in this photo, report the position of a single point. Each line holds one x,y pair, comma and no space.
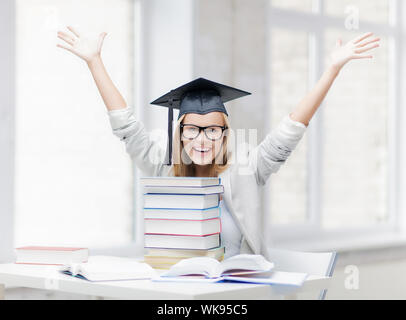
66,180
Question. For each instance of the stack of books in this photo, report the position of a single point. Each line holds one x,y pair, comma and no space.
181,219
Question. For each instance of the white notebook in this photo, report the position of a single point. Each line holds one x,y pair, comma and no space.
105,268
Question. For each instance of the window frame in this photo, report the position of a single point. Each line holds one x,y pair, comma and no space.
308,234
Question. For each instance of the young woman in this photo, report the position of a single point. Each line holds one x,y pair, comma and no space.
241,211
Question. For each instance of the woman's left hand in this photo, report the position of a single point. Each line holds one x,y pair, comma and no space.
353,49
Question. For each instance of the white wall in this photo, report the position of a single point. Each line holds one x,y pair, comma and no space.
230,47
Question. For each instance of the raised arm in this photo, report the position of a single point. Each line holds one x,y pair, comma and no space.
89,48
339,57
277,146
147,154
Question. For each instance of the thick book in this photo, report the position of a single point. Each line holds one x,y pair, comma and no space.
238,265
182,227
181,242
215,253
181,201
180,181
50,255
182,214
184,190
161,258
166,262
105,268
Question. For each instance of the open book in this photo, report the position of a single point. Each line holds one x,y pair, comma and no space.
105,268
240,268
241,265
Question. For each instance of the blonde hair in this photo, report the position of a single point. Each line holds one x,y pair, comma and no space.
181,169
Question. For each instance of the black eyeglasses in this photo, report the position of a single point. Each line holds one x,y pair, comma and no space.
190,131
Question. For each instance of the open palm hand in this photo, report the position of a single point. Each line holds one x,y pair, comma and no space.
86,47
354,49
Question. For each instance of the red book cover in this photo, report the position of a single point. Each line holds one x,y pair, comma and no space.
49,248
42,255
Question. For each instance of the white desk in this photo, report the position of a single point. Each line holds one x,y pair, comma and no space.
47,277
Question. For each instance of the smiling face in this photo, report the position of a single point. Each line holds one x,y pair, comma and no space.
202,150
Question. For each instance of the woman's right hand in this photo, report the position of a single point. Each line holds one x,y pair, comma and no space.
84,46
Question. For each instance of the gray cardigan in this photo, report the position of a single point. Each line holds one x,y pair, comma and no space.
242,180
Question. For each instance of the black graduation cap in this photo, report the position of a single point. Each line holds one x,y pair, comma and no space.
198,96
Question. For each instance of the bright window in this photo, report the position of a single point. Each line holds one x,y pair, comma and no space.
289,51
355,141
341,175
74,180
